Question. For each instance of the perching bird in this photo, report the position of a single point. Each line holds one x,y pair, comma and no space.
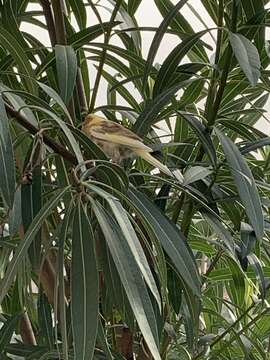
119,143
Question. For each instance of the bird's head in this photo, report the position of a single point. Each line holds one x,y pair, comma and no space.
91,120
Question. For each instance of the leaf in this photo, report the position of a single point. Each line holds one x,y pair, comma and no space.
66,223
53,95
84,286
45,321
180,24
7,168
131,240
196,173
202,134
15,215
79,10
8,42
102,340
224,235
7,330
149,115
73,144
247,55
244,182
168,69
131,278
133,6
66,64
171,240
31,194
23,246
158,37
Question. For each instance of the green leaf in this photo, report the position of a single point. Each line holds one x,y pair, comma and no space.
131,278
158,37
131,240
73,144
66,224
244,182
247,55
101,338
87,35
79,10
84,286
7,330
7,168
31,194
15,215
180,24
8,42
53,95
45,321
149,115
66,64
224,235
168,69
23,246
171,240
133,6
196,173
202,134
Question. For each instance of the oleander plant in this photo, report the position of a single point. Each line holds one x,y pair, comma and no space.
105,260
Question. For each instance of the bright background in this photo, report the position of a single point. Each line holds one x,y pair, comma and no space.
148,15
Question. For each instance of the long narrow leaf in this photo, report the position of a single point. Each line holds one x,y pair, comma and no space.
23,246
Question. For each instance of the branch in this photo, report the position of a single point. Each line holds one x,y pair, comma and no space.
49,20
55,146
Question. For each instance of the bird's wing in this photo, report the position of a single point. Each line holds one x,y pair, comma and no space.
119,135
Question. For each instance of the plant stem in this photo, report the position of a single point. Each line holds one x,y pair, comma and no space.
103,57
60,27
61,38
49,20
221,336
212,87
214,111
178,207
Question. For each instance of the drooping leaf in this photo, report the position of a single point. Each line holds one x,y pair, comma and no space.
196,173
171,239
247,56
7,331
7,168
244,182
202,134
7,41
23,246
84,286
66,64
131,279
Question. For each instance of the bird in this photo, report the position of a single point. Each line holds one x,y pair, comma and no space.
120,143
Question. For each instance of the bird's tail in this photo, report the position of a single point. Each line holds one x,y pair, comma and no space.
163,168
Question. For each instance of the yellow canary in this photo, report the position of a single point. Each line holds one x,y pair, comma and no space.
119,143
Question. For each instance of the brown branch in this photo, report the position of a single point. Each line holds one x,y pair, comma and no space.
49,20
55,146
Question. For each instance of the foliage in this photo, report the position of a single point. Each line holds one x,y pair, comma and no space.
101,261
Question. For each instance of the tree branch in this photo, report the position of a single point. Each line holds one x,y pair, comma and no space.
49,20
55,146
